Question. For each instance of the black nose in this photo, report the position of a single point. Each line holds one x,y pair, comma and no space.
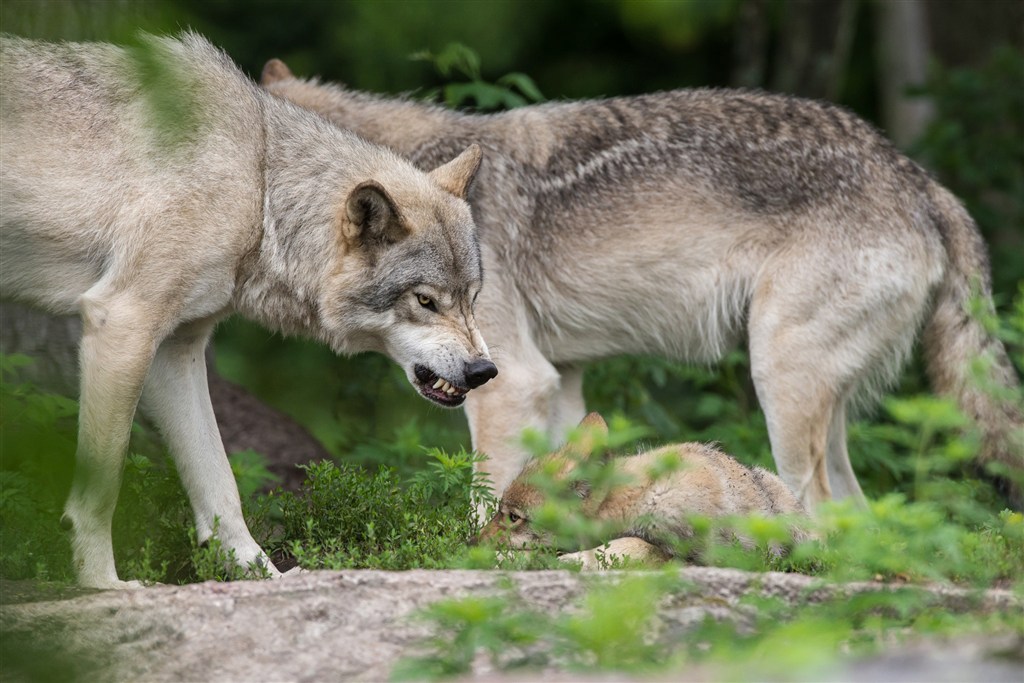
479,372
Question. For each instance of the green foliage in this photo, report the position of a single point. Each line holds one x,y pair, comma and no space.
974,145
455,59
609,632
615,626
344,517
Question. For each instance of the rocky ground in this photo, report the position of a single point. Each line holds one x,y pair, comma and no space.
355,625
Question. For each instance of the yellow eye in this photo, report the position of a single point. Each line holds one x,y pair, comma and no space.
425,301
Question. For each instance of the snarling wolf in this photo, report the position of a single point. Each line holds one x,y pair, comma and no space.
672,223
155,190
648,502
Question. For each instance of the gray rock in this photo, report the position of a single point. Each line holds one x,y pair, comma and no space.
354,625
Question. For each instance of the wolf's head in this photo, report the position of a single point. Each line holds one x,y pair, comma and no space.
513,523
407,276
408,268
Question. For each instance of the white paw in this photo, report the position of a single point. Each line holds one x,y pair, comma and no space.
586,559
294,571
111,584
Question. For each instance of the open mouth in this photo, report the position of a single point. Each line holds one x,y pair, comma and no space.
438,389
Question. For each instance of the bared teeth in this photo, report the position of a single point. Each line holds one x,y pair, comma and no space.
447,387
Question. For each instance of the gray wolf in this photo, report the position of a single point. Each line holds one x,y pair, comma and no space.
154,223
648,498
675,223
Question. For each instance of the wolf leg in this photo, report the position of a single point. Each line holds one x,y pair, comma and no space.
840,473
119,336
798,414
176,397
628,549
821,331
567,408
519,398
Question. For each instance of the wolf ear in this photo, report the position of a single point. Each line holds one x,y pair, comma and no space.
373,216
592,434
275,70
595,423
457,175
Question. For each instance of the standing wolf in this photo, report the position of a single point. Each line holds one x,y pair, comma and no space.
670,223
648,502
154,226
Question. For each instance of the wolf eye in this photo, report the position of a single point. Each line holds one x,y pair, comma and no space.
426,302
513,517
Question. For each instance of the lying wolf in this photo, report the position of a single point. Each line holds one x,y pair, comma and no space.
649,502
154,223
672,223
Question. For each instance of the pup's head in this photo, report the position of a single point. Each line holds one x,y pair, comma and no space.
407,276
513,523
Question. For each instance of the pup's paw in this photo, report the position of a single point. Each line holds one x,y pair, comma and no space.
586,559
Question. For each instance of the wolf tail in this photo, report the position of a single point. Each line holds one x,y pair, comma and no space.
953,339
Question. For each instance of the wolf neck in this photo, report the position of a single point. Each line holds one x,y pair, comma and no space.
304,186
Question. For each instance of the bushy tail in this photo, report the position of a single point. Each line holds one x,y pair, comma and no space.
953,339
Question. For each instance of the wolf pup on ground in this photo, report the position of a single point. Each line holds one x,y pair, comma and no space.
650,511
668,224
154,222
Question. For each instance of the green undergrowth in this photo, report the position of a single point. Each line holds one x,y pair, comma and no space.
615,626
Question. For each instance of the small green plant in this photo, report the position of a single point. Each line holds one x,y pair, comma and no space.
454,60
345,517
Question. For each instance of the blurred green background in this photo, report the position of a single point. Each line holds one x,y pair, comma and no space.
362,408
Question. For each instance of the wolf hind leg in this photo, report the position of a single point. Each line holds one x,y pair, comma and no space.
821,335
177,398
840,473
567,407
118,341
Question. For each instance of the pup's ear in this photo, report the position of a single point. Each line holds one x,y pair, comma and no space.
592,437
372,215
275,70
595,423
457,175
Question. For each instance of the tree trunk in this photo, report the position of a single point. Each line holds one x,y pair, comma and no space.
904,50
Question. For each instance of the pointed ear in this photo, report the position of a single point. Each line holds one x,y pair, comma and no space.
275,70
372,215
593,433
457,175
595,423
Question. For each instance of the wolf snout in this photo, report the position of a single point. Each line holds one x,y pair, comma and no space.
479,372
